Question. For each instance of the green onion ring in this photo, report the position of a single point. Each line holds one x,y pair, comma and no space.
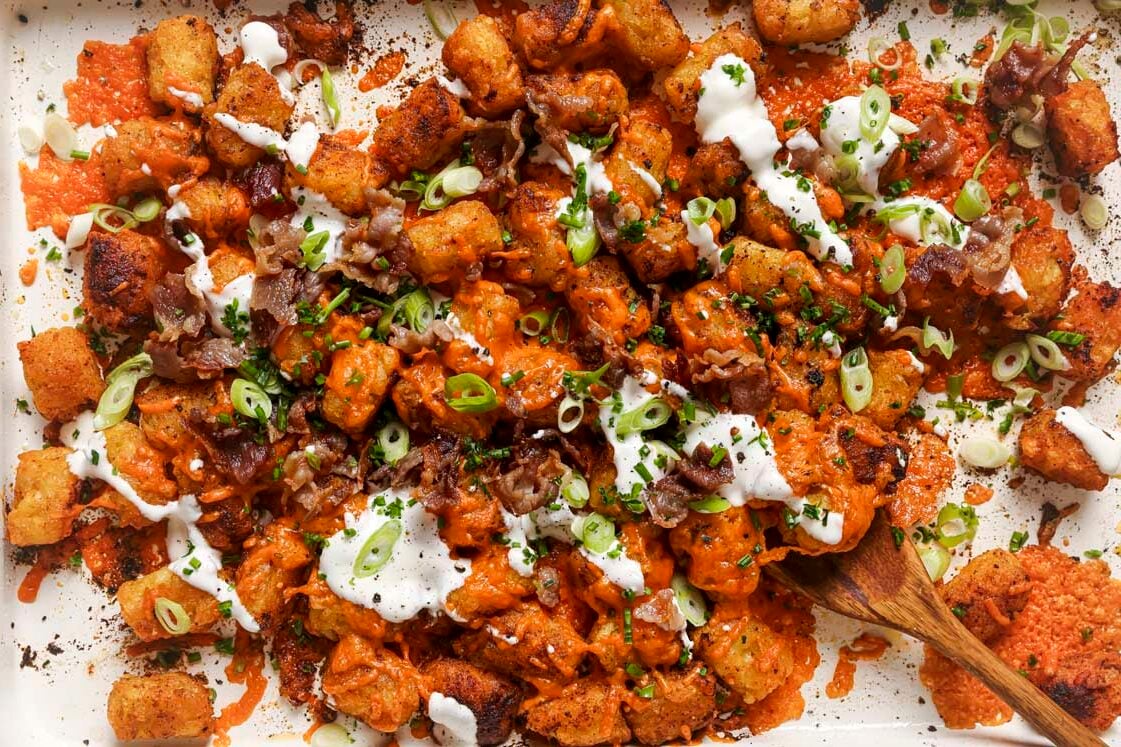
468,392
377,549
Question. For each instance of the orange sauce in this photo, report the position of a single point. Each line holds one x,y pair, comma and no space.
976,494
112,83
28,271
58,189
385,68
866,647
247,666
45,563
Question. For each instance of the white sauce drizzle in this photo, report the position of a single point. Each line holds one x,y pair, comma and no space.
454,86
756,474
916,363
647,179
190,98
201,279
843,126
910,226
701,237
1103,446
454,724
630,450
1011,283
828,527
420,573
261,45
196,562
731,109
299,148
324,217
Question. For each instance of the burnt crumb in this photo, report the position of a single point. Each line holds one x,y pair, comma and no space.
28,658
54,649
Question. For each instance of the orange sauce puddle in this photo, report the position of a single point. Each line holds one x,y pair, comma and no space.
976,494
28,271
866,647
385,68
247,667
112,83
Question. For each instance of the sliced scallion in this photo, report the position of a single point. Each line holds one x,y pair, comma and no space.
570,413
1028,135
1094,212
533,323
171,616
250,399
699,210
468,392
956,524
393,439
651,414
116,400
377,549
1046,353
875,110
973,202
690,600
935,558
1010,361
440,15
726,212
856,379
419,310
597,532
147,209
893,271
985,453
574,490
583,243
330,98
933,338
712,504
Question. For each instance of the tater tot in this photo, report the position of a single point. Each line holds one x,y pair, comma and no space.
422,131
166,705
182,63
538,255
478,54
216,208
561,32
61,371
339,172
121,269
446,244
44,502
589,101
138,604
1051,450
148,154
250,95
682,85
789,22
372,684
648,33
359,380
604,302
584,714
1081,129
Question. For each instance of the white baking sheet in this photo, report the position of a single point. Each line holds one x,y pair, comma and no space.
73,633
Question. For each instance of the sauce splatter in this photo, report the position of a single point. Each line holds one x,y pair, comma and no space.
976,494
112,83
247,667
385,68
28,271
58,189
866,647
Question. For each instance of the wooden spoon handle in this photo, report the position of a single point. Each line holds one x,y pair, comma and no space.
1013,688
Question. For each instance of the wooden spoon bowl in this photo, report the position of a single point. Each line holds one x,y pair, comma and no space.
883,581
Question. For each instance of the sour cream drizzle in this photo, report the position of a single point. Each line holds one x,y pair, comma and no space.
632,449
239,290
299,148
195,561
842,129
323,216
454,724
729,107
261,45
420,572
1103,446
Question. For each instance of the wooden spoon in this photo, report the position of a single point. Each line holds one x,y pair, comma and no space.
884,583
